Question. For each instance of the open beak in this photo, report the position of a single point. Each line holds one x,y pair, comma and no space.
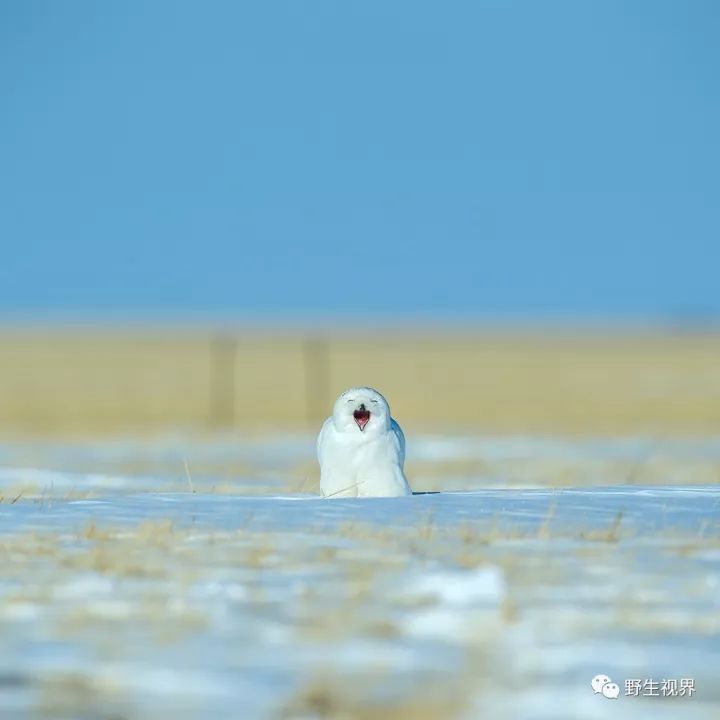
362,417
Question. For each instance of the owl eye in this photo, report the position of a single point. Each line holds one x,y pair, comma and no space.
374,401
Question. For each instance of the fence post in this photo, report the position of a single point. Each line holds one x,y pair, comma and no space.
222,381
316,363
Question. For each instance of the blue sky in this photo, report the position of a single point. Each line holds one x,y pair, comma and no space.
381,159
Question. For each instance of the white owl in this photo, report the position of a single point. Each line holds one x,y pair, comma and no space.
361,449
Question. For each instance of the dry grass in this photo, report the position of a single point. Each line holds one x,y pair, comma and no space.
333,697
106,382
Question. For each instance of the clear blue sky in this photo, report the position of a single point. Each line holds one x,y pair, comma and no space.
370,158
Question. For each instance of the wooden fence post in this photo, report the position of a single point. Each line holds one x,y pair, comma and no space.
222,381
316,361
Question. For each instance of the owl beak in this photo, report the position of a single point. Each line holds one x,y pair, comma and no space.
362,417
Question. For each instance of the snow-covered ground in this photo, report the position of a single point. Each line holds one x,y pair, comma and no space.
192,578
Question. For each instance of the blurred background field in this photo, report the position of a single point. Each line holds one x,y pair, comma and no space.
100,383
238,411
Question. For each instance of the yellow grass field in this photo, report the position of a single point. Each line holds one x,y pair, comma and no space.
99,382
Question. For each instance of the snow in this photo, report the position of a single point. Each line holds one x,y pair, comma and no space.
128,589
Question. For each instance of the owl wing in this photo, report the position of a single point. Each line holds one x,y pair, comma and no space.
320,444
398,441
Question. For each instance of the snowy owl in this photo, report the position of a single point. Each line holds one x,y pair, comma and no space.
361,449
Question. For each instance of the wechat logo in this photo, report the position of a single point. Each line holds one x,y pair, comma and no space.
602,684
